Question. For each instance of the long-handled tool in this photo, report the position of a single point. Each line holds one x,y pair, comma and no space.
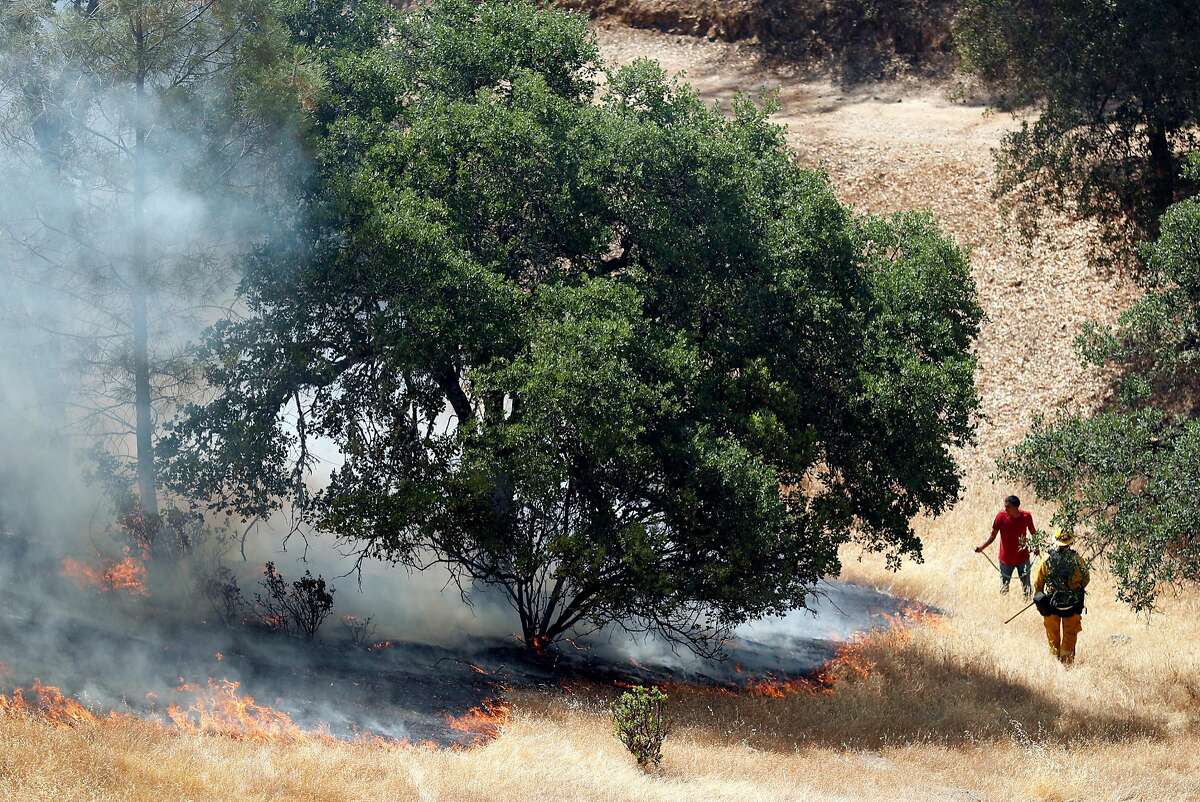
1023,609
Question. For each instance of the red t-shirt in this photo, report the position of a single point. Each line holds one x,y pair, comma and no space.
1013,547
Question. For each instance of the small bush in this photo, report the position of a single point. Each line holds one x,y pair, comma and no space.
360,630
640,722
299,609
220,587
176,532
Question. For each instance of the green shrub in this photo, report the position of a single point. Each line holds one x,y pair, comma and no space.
640,722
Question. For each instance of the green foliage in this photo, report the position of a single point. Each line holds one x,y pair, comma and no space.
79,81
1116,83
1128,478
640,722
592,343
327,27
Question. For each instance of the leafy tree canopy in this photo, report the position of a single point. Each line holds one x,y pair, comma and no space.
1128,478
1118,83
582,338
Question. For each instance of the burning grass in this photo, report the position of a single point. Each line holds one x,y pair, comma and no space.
48,704
216,709
853,659
484,721
219,709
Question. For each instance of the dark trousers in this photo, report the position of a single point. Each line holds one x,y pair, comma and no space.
1006,572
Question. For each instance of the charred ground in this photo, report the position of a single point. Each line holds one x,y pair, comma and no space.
116,649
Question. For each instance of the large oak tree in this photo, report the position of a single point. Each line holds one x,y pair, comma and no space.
582,338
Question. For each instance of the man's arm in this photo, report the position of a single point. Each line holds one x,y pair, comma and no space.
988,542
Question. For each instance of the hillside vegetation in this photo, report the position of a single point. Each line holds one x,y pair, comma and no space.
857,38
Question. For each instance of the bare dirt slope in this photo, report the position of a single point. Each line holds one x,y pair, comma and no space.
725,19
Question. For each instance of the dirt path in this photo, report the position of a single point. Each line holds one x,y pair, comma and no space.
901,146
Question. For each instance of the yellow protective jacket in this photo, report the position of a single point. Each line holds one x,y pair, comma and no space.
1078,580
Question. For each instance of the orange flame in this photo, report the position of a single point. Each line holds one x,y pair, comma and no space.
850,660
128,574
775,688
219,709
48,703
485,721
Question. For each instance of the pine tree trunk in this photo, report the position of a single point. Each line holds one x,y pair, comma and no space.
146,475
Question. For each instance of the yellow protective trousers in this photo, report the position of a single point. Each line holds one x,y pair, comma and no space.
1061,634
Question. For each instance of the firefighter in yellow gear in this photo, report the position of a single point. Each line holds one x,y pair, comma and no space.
1059,582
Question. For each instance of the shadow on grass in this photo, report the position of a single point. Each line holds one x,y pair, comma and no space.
899,693
889,690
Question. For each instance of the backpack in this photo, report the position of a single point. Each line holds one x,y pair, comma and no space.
1058,598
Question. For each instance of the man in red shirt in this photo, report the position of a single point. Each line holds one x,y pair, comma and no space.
1014,526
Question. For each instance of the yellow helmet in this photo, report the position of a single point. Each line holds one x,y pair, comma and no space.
1063,537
